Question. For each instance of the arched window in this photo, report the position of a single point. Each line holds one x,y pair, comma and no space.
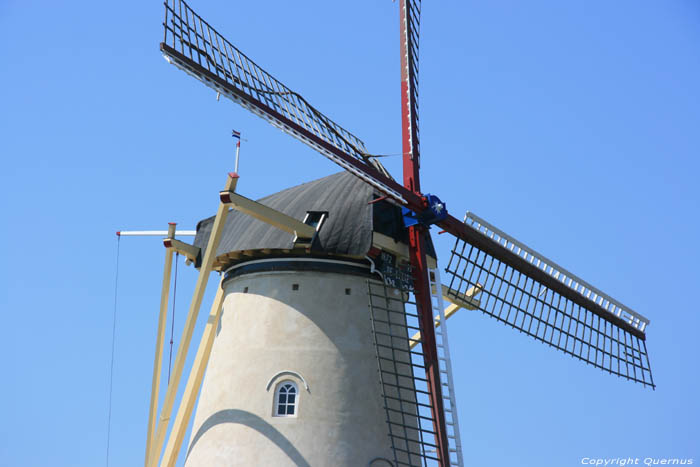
286,399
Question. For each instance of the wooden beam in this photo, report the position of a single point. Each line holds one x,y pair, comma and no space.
190,252
194,382
467,300
160,337
199,289
268,215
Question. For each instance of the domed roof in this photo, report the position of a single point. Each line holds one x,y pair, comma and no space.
346,232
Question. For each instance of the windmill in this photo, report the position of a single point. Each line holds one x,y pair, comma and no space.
295,372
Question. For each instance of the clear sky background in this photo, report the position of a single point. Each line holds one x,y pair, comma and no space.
574,126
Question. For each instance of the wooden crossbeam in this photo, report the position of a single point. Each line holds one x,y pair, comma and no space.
468,301
268,215
190,252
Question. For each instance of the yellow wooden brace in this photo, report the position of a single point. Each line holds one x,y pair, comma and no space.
160,336
194,382
199,289
268,215
468,301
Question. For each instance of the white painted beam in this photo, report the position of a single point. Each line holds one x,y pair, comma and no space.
155,233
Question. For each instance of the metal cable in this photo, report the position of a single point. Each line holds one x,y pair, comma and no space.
172,321
111,364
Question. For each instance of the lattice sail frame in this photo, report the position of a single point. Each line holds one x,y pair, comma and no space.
411,10
395,324
593,328
192,45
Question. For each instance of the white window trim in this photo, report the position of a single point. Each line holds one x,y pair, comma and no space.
287,373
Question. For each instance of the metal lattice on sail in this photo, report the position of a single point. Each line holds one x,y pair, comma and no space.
187,33
192,45
402,373
531,293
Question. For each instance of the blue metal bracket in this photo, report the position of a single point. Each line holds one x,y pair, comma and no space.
436,212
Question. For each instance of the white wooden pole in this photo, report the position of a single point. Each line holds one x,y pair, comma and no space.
238,151
155,233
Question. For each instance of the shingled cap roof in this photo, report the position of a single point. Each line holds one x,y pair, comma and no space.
346,232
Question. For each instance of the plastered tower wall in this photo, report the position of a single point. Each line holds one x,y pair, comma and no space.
275,326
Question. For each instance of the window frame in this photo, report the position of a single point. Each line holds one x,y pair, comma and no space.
276,400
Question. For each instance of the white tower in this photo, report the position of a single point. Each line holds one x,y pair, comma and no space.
293,374
292,379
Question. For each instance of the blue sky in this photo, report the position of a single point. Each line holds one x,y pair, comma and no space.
574,126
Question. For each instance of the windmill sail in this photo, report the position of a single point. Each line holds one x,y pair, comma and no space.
410,24
192,45
401,368
523,289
